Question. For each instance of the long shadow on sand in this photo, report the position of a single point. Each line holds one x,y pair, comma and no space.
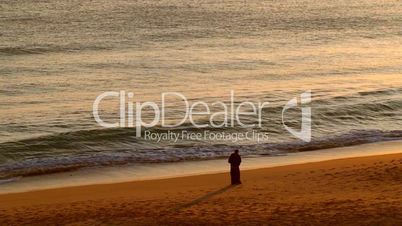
205,197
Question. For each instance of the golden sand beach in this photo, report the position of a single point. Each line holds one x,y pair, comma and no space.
362,190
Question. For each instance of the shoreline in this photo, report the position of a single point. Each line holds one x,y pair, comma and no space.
332,191
141,172
32,165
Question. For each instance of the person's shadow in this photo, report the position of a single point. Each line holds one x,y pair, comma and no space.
204,197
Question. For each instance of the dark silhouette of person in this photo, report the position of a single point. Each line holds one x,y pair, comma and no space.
235,161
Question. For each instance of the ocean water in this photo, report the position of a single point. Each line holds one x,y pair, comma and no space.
56,57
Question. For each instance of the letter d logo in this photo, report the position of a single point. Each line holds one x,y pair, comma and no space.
305,133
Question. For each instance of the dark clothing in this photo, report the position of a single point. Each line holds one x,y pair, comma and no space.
235,175
235,161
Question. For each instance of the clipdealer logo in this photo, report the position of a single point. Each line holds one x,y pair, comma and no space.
131,115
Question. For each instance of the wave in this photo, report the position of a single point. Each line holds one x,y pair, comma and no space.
381,92
25,50
105,147
76,160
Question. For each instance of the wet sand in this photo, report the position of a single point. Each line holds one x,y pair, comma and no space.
353,191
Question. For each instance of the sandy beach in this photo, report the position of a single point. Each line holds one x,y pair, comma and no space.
362,190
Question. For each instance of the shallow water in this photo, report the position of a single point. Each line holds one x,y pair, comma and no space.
138,172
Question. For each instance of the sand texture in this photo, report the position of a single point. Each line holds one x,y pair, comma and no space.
354,191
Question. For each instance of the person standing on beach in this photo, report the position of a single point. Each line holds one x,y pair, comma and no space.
235,161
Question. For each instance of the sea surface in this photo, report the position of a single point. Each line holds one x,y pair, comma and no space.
57,56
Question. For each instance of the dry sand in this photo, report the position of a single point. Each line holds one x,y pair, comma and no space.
354,191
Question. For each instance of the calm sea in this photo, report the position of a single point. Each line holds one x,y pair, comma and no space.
57,56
